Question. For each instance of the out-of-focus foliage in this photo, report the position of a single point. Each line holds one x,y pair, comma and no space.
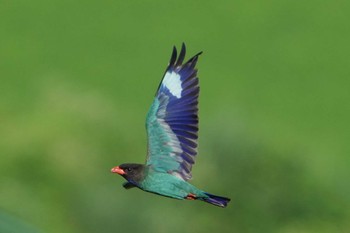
76,81
10,224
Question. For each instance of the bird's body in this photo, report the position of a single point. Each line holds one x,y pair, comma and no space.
172,130
168,185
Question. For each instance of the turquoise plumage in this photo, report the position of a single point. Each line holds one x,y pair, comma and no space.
172,130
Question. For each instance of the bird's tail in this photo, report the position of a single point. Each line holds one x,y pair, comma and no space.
216,200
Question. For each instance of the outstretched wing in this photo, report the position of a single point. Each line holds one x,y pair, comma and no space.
172,121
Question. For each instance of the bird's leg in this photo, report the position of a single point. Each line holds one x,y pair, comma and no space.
191,197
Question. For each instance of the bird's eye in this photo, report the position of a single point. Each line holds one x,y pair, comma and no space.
128,169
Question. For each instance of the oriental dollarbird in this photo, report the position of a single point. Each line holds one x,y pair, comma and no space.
172,130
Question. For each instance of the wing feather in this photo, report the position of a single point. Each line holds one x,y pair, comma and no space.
172,121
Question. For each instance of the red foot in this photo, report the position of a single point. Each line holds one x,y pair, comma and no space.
191,196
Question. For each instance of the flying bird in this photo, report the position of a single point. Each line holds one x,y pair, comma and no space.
172,130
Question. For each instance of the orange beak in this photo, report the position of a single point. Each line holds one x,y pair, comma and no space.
118,170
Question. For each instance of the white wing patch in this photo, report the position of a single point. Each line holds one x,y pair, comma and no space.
173,83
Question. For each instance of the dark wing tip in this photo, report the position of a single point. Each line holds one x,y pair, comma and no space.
181,56
177,61
173,57
191,63
195,57
200,53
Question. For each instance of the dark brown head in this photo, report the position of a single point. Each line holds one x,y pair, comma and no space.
132,172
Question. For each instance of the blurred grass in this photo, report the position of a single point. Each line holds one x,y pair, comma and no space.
10,224
77,79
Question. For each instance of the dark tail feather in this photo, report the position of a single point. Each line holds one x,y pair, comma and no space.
217,200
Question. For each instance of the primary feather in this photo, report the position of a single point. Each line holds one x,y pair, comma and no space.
172,121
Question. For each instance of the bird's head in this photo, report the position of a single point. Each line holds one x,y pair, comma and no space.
130,171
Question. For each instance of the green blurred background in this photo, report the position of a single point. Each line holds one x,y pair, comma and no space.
76,81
